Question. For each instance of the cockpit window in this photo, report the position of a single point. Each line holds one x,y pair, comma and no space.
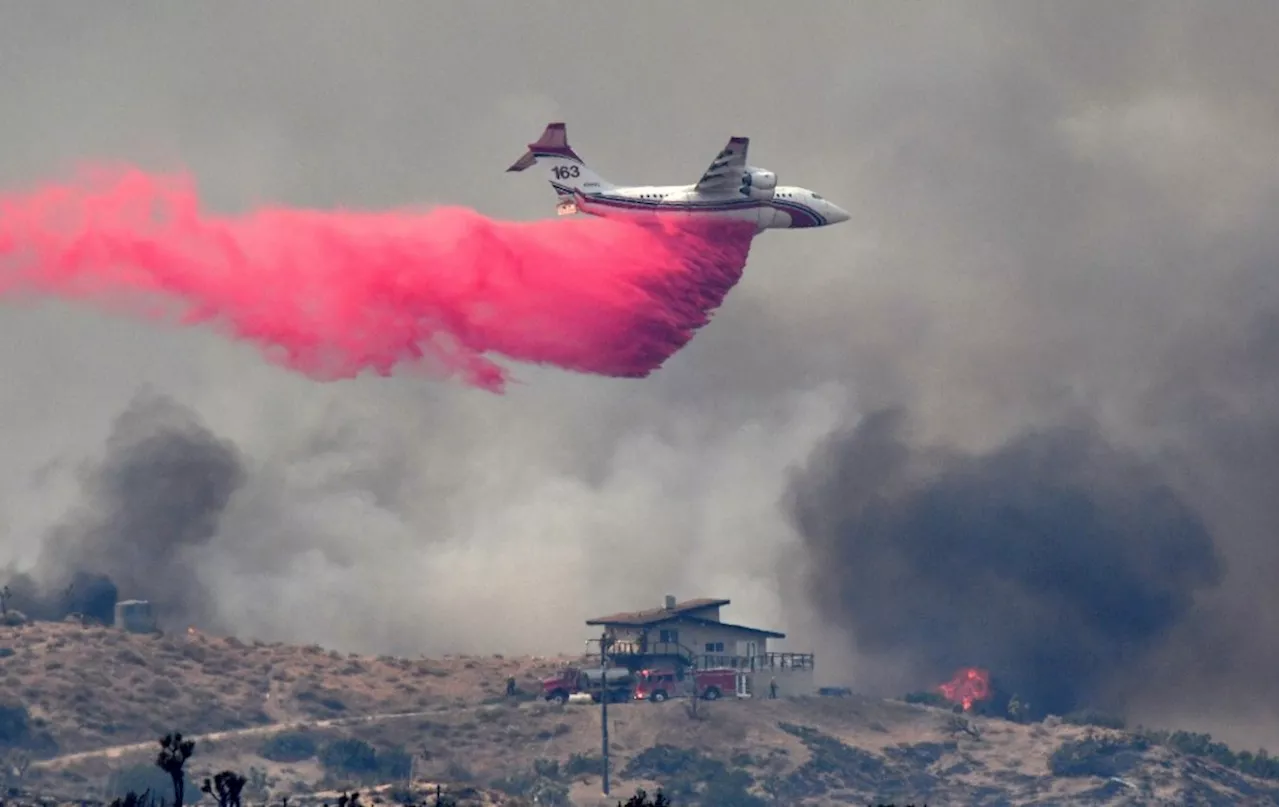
816,196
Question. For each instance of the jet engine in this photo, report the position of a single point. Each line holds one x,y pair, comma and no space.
758,183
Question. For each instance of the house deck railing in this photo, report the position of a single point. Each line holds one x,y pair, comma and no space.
631,653
772,662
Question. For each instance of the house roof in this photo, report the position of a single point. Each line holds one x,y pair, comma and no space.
653,616
681,613
714,623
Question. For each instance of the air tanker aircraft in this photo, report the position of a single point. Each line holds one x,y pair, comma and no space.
729,189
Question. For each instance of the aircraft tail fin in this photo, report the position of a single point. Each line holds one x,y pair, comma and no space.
566,170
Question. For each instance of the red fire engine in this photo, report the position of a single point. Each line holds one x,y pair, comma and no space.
660,683
573,680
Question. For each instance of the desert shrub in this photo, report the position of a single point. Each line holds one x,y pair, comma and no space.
926,699
457,772
544,784
642,799
731,791
15,726
258,784
519,695
1190,743
130,656
132,799
516,784
693,777
164,689
1097,756
549,792
832,764
142,777
357,759
13,618
289,746
321,698
394,763
1091,717
919,755
584,765
492,712
349,756
662,762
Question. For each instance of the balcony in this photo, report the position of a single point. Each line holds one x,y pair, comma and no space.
634,654
631,649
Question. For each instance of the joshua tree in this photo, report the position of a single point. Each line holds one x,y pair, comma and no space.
1016,709
174,753
225,787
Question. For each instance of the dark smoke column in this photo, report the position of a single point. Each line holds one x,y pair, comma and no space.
152,502
1054,561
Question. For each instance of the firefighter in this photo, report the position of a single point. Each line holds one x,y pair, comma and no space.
511,686
773,689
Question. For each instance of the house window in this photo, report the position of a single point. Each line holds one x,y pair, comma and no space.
715,647
669,636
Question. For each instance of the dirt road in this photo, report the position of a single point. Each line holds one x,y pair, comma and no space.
117,751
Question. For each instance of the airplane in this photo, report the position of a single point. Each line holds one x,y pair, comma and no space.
728,189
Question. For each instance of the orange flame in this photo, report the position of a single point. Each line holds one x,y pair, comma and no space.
191,630
967,686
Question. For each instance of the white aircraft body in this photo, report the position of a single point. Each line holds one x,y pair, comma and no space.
728,189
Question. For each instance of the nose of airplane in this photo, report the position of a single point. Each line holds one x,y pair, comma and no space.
836,214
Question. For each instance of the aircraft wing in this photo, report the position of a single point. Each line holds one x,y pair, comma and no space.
725,172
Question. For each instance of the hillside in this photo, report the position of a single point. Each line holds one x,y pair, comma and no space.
300,719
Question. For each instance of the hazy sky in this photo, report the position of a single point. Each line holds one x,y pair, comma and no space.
1055,208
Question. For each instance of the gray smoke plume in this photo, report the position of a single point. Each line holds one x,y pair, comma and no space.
1053,560
152,501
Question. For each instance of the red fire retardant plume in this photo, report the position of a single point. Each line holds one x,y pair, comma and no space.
334,293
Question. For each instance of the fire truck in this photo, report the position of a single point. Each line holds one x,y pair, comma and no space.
660,683
618,683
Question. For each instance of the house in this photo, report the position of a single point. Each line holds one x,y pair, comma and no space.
691,634
135,616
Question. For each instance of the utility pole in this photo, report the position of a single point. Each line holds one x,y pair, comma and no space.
604,709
